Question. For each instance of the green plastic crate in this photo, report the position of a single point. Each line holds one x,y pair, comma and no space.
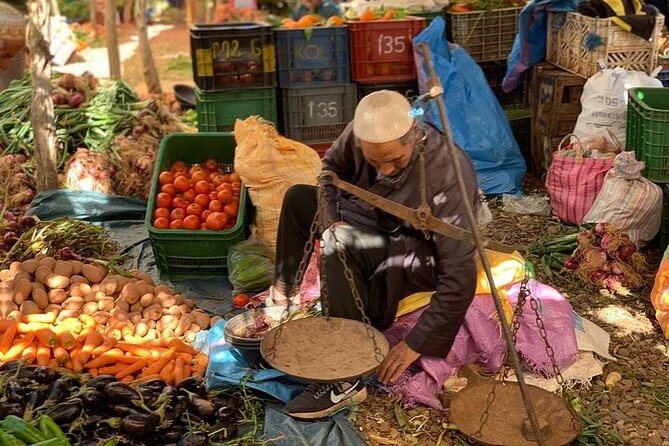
218,111
193,254
648,130
664,225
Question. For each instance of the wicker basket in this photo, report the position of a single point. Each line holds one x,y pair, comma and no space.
619,48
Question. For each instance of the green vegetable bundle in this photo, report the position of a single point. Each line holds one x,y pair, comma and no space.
17,432
250,266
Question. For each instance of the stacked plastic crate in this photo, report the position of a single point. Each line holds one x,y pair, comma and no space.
234,66
317,99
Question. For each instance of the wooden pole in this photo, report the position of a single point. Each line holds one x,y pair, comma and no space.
41,112
112,40
93,16
150,72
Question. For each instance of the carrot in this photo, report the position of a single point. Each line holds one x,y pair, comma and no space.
53,364
197,370
29,353
112,369
46,336
181,347
137,366
77,366
7,337
155,343
115,333
66,340
178,370
145,378
128,379
17,348
87,320
23,327
69,365
43,354
45,318
93,372
186,357
157,366
187,371
105,346
139,350
108,357
5,323
201,359
167,372
93,340
61,355
129,359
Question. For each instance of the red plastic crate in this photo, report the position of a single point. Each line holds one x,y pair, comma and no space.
320,149
381,51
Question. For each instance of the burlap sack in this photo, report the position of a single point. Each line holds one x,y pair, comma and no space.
268,165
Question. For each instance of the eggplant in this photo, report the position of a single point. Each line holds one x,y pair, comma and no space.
118,392
194,439
172,434
92,398
65,412
194,384
92,420
122,410
14,391
176,408
188,419
99,382
9,408
148,396
60,390
155,385
202,408
172,392
10,366
140,423
229,411
221,432
45,375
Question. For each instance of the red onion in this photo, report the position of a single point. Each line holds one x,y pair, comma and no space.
583,237
616,269
570,263
613,282
76,100
600,228
9,216
598,276
605,242
626,250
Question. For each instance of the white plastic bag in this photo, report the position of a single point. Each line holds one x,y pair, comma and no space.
628,200
604,102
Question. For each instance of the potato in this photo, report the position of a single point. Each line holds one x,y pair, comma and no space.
76,266
40,297
6,307
121,305
184,324
78,279
152,334
57,296
57,282
94,273
168,334
151,325
22,290
169,321
166,300
6,275
189,336
147,300
137,307
141,329
143,287
37,285
135,317
52,308
130,293
29,266
106,304
194,327
190,303
154,312
90,297
49,262
63,268
101,317
201,319
109,285
180,299
174,310
184,309
163,289
80,289
139,275
67,314
90,308
73,303
15,315
120,315
214,320
7,295
40,256
15,267
23,275
41,273
95,287
29,307
99,295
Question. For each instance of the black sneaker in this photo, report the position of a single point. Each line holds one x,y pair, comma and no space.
322,400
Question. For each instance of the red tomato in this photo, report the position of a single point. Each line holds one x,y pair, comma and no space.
177,224
213,195
240,300
161,223
194,209
203,216
190,195
231,209
178,166
169,189
192,222
215,206
194,169
217,221
211,165
161,213
228,226
235,194
234,178
178,214
180,202
236,186
202,187
163,200
202,200
225,196
225,186
181,183
200,175
203,226
217,179
235,200
165,177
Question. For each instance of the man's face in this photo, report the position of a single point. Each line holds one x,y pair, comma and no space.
388,158
312,5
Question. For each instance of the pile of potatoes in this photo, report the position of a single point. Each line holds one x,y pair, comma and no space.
134,306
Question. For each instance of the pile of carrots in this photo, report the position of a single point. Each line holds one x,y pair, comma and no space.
81,344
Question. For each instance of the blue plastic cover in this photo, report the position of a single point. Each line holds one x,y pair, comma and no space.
478,123
530,44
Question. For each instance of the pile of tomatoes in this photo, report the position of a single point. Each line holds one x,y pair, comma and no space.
201,196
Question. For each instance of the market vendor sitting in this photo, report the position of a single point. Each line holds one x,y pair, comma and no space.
389,259
323,8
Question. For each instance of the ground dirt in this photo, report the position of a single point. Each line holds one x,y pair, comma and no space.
635,412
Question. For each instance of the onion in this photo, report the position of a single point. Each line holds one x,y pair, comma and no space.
138,130
570,263
144,112
27,222
600,228
583,237
76,100
67,81
626,250
616,269
59,99
9,216
598,276
613,282
605,242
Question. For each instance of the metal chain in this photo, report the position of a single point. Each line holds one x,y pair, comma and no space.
325,297
356,297
486,413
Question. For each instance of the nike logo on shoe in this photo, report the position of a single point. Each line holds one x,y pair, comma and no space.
337,398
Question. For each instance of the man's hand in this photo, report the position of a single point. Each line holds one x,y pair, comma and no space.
399,358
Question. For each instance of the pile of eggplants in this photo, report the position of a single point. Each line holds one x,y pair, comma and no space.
103,410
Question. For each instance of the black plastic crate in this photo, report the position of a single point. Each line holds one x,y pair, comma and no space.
310,59
494,73
233,56
408,89
317,115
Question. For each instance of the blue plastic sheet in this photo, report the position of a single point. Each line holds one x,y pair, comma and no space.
530,44
478,123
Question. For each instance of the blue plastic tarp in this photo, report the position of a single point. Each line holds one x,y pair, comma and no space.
530,44
477,121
